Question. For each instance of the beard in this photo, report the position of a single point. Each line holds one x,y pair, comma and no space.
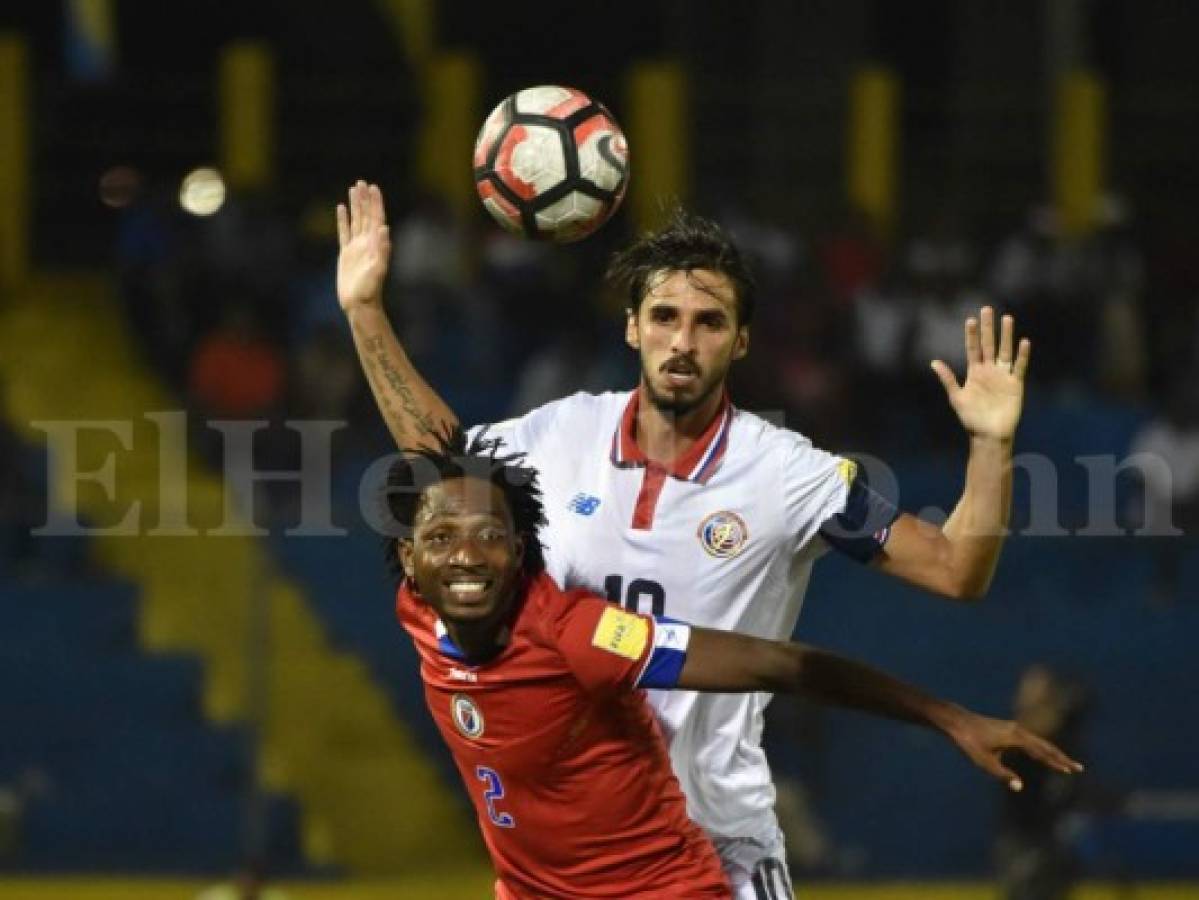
675,405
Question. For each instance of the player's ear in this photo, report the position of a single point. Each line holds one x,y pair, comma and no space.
406,552
518,548
630,329
741,343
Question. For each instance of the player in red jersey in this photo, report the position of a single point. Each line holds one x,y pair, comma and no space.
537,691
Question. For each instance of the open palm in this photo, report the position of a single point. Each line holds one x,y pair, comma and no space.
365,247
989,402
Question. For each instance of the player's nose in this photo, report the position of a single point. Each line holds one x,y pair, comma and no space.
683,338
466,554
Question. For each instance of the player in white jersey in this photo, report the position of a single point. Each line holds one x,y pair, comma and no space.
670,500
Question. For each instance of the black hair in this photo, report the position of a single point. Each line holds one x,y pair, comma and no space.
458,456
687,242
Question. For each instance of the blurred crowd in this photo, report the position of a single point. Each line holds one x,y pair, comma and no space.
238,312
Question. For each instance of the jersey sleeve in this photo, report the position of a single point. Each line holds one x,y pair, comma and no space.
830,497
861,529
609,649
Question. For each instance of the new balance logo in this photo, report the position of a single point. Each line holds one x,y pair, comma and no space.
583,504
463,675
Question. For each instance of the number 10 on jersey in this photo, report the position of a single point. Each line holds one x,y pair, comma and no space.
640,589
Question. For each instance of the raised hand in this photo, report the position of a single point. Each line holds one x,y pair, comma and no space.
365,247
988,403
984,741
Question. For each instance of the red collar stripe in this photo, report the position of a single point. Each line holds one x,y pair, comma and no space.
698,464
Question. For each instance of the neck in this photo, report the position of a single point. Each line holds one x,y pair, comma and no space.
479,642
664,436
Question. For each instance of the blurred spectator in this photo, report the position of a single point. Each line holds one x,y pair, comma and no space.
429,262
795,727
248,251
1171,497
1115,273
851,256
1034,857
325,376
1033,275
884,317
584,357
944,298
235,373
26,785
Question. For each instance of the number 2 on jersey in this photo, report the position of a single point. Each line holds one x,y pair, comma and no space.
493,791
638,588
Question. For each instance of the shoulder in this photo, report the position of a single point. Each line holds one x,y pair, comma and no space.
581,406
788,456
544,604
752,432
548,607
579,413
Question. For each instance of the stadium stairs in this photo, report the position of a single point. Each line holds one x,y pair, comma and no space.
370,801
95,724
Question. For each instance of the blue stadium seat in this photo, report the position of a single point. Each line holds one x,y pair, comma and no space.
118,769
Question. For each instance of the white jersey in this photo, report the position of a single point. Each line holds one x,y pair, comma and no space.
725,539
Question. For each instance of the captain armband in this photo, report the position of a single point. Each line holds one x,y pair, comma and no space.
667,656
862,529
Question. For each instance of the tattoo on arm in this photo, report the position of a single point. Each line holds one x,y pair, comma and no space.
396,398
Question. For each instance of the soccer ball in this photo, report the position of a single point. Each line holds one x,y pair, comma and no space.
551,163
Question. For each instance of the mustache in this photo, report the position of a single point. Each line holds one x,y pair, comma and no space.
683,365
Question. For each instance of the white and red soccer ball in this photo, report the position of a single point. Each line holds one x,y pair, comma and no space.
551,163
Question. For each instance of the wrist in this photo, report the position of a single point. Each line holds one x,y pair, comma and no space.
946,717
992,442
365,309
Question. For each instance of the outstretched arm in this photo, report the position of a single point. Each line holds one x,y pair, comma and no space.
726,662
958,560
412,410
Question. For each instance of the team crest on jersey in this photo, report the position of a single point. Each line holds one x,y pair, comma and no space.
723,534
468,718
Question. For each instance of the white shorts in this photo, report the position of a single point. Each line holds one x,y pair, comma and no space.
757,869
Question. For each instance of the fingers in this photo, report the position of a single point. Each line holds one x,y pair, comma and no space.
343,225
974,350
1007,328
946,376
364,211
377,209
1020,366
991,763
1048,754
355,206
987,335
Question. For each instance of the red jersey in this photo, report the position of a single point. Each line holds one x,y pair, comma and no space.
560,754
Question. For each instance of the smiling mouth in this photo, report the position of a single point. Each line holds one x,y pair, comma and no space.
469,590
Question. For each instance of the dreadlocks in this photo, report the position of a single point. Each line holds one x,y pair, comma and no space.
457,456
